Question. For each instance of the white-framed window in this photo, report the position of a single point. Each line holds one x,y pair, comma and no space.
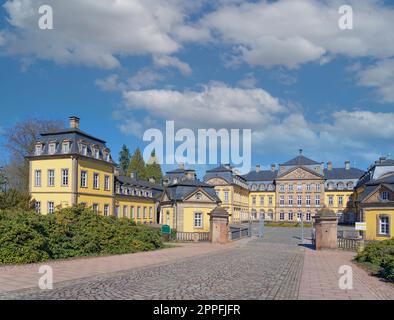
281,200
290,200
299,200
96,207
138,212
117,209
254,200
84,179
317,186
106,210
261,200
132,212
51,207
299,213
340,200
384,225
330,200
281,187
291,216
96,180
66,147
270,200
52,148
38,149
144,213
38,206
384,195
37,178
308,187
308,200
225,196
107,183
107,157
150,213
125,211
64,177
197,220
308,216
282,216
299,187
51,178
168,218
291,188
317,200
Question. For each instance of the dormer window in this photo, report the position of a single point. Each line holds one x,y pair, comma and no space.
96,153
66,147
384,195
84,150
52,148
38,151
198,195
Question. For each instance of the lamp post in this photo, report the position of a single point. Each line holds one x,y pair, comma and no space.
302,227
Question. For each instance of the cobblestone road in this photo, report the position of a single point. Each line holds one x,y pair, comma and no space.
256,270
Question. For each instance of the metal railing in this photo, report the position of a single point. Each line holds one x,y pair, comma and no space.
239,231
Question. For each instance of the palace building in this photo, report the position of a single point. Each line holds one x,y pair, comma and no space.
72,167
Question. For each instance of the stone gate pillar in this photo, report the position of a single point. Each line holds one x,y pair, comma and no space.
218,232
326,229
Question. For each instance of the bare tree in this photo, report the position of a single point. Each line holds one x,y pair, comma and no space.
20,141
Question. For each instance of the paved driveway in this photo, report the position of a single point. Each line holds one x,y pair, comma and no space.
275,267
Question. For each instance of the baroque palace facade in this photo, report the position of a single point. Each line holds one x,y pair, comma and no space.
72,167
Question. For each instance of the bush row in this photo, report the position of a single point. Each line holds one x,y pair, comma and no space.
381,255
27,237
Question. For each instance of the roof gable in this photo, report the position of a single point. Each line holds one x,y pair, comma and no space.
299,173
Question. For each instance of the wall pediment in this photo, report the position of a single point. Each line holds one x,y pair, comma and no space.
217,181
300,174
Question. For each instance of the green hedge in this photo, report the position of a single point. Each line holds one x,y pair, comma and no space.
27,237
381,255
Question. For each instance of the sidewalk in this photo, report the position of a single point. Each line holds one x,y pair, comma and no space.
320,278
18,277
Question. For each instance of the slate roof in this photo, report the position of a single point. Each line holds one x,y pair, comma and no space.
125,180
181,190
262,175
387,178
387,162
342,173
300,160
74,135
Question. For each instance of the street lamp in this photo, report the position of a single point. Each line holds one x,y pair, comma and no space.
302,227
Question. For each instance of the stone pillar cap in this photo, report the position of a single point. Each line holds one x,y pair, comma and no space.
219,212
325,213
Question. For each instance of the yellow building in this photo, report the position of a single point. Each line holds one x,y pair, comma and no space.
186,204
374,199
262,200
71,167
232,190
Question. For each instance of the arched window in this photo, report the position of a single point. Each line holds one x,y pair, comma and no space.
262,186
330,186
340,185
350,185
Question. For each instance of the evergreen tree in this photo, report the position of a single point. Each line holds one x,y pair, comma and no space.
153,168
137,164
124,159
3,180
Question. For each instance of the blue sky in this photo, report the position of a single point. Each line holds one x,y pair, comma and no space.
296,81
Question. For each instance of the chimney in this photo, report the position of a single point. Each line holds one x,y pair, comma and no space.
257,168
152,180
329,165
134,175
382,159
347,165
74,122
273,167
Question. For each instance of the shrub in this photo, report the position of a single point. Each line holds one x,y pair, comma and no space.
381,255
27,237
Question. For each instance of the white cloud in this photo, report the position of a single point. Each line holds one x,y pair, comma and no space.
381,77
144,78
164,61
215,106
92,32
293,32
110,83
277,128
